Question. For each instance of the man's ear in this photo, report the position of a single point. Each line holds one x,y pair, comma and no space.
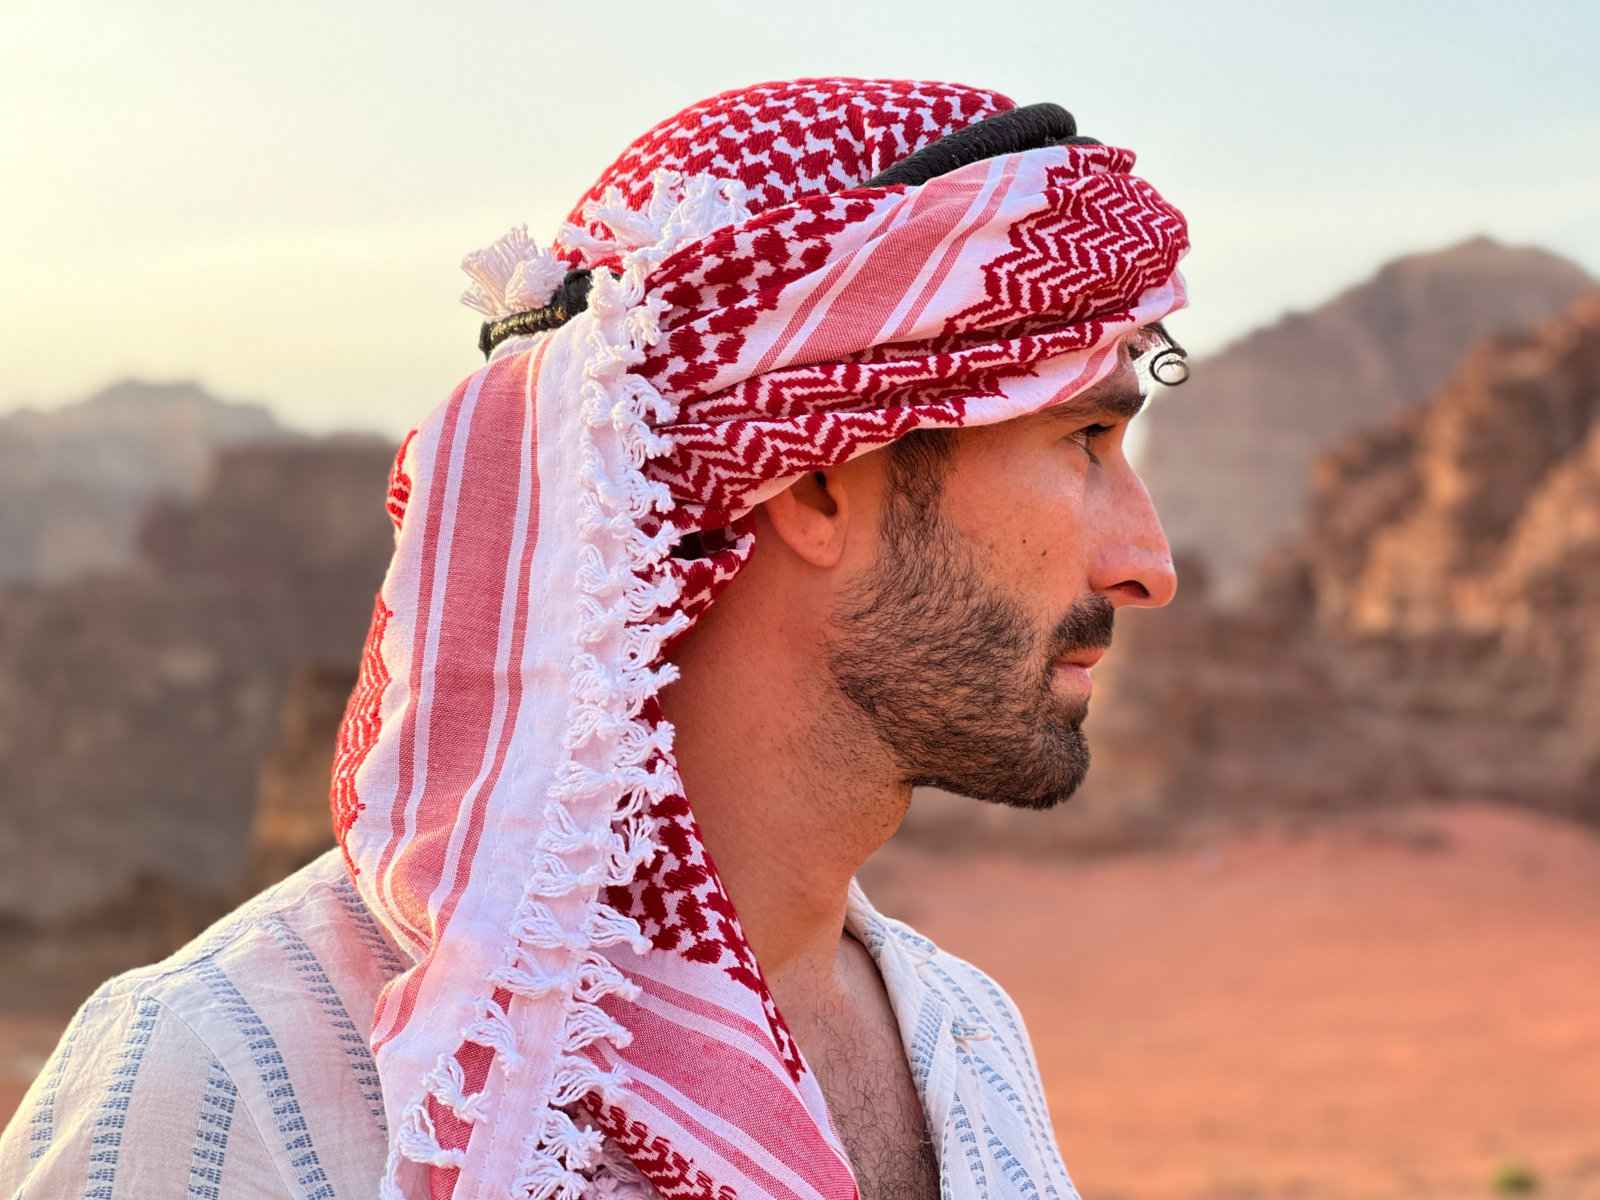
812,517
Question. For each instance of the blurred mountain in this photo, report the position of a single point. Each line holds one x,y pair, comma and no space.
135,713
74,480
1228,456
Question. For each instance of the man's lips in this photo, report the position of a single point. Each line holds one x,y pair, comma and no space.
1081,658
1073,670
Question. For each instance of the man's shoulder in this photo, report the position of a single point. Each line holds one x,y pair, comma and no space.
255,1034
311,928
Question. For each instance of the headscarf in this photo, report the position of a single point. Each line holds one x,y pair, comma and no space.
582,1007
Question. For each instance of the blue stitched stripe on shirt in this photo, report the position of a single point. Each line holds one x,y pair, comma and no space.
105,1143
211,1136
370,932
1009,1164
875,936
1033,1115
321,989
1015,1026
1017,1069
925,1039
274,1075
43,1127
968,1137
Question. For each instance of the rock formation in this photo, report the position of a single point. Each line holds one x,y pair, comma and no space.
136,707
1494,563
1228,456
76,479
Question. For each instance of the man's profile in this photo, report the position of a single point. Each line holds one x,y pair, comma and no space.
795,479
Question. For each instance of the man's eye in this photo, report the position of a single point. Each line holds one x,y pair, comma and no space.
1088,435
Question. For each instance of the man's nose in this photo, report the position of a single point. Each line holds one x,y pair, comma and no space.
1133,564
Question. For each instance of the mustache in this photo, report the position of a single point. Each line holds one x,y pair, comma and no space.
1087,626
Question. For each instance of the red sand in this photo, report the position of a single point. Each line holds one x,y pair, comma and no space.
1367,1011
1390,1011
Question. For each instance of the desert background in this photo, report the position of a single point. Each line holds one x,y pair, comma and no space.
1325,920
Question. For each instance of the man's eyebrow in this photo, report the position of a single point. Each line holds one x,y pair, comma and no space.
1121,400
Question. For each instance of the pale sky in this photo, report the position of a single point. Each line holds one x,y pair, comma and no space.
274,199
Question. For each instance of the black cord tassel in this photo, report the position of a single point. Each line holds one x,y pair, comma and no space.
570,299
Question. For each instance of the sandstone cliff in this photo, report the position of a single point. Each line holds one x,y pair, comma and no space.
136,707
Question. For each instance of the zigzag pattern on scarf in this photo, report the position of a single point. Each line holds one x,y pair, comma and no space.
399,484
672,1175
724,464
1111,237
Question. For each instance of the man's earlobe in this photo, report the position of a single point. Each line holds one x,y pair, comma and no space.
810,518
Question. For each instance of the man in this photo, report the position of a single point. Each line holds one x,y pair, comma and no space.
871,346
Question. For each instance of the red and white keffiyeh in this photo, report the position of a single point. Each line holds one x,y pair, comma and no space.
504,786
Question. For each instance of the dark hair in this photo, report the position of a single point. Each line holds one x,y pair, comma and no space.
918,463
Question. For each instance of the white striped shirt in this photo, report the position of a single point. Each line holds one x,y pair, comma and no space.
239,1067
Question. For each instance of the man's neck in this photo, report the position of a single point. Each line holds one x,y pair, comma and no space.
790,797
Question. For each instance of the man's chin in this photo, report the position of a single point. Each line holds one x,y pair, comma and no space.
1048,785
1044,801
1064,770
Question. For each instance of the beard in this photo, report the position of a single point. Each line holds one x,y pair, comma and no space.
953,676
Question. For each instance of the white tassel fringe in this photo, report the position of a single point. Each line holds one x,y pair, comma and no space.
619,605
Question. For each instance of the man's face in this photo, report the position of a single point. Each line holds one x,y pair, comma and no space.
999,570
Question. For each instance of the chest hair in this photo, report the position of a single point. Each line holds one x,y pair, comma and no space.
862,1070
